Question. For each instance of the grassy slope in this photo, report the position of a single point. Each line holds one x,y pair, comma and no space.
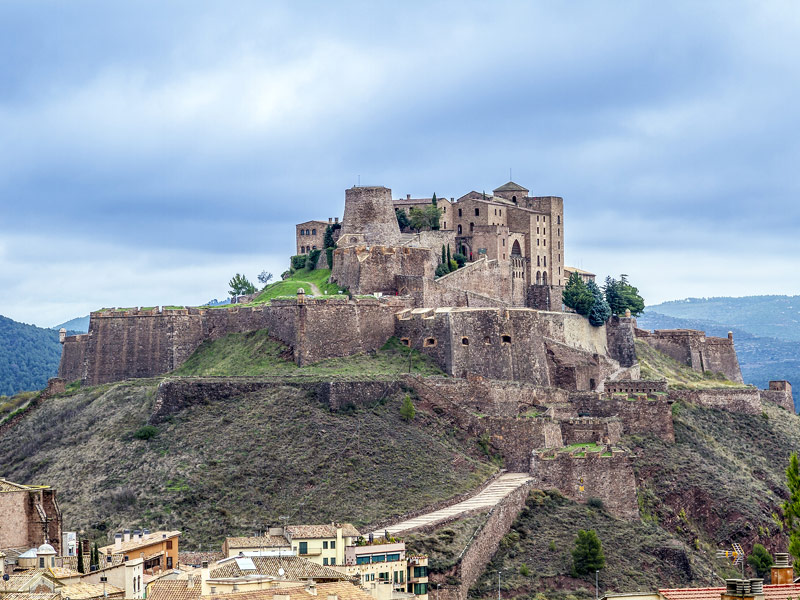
255,353
656,365
234,467
301,278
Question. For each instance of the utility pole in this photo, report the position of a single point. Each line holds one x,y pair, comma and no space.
498,584
596,588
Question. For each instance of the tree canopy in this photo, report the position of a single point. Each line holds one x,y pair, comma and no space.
791,508
425,217
402,218
577,296
241,286
587,555
621,296
600,311
760,559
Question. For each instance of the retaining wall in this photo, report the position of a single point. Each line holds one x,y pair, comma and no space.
738,400
639,415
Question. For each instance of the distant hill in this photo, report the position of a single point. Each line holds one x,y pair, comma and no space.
764,316
762,357
78,324
29,356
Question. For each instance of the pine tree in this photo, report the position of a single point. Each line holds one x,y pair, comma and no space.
791,508
577,296
407,410
600,311
587,556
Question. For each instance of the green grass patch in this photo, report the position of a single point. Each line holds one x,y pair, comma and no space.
255,353
299,279
658,366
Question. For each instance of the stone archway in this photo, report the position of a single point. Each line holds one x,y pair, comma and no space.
515,249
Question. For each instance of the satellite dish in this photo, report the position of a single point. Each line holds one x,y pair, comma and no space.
281,572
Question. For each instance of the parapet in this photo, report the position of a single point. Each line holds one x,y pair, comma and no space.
631,386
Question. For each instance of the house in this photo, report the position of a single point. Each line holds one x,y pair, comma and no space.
159,549
322,544
189,590
29,516
128,576
274,538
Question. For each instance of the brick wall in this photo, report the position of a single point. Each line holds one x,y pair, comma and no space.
609,478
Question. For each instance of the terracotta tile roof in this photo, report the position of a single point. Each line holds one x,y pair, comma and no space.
261,541
155,537
27,596
344,590
63,572
195,559
295,568
415,200
771,592
85,591
173,590
320,531
18,581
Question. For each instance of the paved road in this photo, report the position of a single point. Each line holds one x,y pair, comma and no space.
486,498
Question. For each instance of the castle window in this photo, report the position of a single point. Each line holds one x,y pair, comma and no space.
471,227
504,241
429,342
459,212
444,209
544,230
544,278
538,278
405,341
559,245
459,230
514,199
538,261
559,270
500,212
495,212
445,225
537,218
559,232
313,232
559,219
465,341
487,340
302,232
507,339
544,242
544,261
313,247
537,242
353,240
477,212
308,232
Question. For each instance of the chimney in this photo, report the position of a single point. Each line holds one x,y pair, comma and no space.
782,572
126,535
336,219
146,533
743,589
311,587
117,541
408,196
330,219
137,534
190,582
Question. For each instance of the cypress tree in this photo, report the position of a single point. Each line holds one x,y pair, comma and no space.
444,259
434,201
449,260
80,557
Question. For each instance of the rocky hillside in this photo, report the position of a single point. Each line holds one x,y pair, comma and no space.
722,481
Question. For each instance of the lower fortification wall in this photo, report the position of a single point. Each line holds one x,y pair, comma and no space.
782,398
638,415
73,357
582,476
369,269
737,400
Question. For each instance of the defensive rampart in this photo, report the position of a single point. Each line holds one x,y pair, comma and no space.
503,343
621,340
370,269
123,344
694,349
638,415
779,392
737,400
580,475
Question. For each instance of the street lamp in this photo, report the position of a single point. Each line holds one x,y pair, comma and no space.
596,588
498,584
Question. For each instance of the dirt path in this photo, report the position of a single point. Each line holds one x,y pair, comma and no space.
486,498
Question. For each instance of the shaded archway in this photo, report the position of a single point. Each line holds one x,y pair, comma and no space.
538,278
544,278
515,249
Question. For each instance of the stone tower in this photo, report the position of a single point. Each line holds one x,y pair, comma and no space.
369,218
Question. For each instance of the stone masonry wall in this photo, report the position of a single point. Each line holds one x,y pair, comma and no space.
737,400
635,386
369,217
484,545
370,269
489,278
145,343
694,349
587,430
780,397
609,478
621,340
651,415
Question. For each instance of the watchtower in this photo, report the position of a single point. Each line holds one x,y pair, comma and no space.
369,217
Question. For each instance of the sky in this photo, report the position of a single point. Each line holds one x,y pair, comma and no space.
150,150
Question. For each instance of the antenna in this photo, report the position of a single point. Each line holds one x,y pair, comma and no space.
359,181
510,178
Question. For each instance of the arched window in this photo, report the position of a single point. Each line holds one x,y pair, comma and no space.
302,232
514,199
544,260
515,249
544,278
313,247
308,232
459,230
477,212
538,278
313,232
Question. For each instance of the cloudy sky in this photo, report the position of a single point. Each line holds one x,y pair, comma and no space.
150,150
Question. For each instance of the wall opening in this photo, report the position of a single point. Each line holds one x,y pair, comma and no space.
507,339
487,340
429,342
465,341
405,341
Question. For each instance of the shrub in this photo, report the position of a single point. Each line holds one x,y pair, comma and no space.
442,270
311,261
460,259
146,432
595,503
524,570
760,559
298,262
